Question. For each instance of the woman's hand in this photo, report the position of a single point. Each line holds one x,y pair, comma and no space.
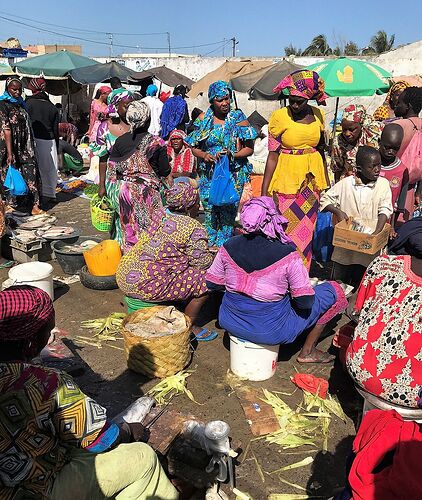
169,180
208,158
102,192
10,159
221,153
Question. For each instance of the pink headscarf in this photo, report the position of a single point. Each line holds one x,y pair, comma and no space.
105,90
261,215
303,83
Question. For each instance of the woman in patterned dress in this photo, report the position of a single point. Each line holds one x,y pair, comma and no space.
138,162
169,262
221,131
384,358
17,145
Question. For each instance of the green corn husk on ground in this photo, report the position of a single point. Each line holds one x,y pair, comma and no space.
172,386
103,329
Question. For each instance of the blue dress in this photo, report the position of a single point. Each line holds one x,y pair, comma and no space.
213,138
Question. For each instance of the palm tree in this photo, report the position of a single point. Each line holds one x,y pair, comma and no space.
381,43
351,49
291,50
318,47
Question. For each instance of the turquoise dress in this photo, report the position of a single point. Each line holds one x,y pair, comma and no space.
213,138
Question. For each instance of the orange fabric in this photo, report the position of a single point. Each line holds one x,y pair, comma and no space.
256,183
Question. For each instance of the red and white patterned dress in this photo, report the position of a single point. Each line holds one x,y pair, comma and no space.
385,356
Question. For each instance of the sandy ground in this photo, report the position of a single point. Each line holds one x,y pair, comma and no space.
105,377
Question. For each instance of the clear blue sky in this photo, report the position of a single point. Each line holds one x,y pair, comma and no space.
262,27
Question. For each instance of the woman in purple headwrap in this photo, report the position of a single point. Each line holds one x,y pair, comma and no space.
269,298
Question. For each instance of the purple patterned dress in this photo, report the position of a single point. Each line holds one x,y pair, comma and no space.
168,263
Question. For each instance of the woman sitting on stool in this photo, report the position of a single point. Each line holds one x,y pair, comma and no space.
269,298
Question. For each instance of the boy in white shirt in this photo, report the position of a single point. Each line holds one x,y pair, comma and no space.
366,197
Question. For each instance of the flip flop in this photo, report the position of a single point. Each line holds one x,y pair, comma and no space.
205,335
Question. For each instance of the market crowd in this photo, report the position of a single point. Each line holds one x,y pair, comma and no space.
159,167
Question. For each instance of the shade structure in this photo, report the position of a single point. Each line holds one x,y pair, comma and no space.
226,72
5,71
102,73
260,83
165,75
352,77
55,65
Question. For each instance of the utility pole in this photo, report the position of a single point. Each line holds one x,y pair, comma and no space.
234,43
224,45
169,42
110,37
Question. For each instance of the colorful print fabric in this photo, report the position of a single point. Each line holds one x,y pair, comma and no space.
43,412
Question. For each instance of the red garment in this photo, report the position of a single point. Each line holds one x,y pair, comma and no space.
397,175
384,357
397,477
183,162
312,384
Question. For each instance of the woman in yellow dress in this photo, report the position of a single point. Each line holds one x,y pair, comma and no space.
295,172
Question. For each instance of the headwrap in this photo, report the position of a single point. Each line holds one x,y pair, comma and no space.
24,310
261,215
218,90
164,96
104,89
137,115
181,196
383,112
152,90
303,83
36,85
172,115
184,161
114,98
7,97
355,113
408,240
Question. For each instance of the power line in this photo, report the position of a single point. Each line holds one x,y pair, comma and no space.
37,28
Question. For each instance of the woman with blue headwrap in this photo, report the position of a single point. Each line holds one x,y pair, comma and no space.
17,145
221,131
155,107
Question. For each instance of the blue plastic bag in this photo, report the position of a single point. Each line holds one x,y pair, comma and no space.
322,244
14,182
222,190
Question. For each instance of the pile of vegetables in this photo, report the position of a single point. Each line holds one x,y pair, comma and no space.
103,329
172,386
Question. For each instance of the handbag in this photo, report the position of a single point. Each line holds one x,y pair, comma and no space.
14,182
222,190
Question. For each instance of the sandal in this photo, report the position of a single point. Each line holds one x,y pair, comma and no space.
316,356
205,335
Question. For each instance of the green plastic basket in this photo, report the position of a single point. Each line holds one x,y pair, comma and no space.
136,304
101,219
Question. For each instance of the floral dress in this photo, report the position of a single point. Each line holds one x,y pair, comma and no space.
385,356
16,119
213,138
168,263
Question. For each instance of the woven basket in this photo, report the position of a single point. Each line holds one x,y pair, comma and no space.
155,357
101,219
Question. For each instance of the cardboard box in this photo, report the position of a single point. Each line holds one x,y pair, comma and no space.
345,237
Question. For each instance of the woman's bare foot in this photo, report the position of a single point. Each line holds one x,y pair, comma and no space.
315,356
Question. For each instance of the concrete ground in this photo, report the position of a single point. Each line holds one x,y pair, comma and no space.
104,376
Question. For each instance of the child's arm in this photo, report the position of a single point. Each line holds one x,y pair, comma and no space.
382,219
330,202
385,207
400,203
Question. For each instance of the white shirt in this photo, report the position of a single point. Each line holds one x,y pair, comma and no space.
364,202
156,107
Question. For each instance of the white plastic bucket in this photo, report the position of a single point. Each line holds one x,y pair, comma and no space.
252,361
38,274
